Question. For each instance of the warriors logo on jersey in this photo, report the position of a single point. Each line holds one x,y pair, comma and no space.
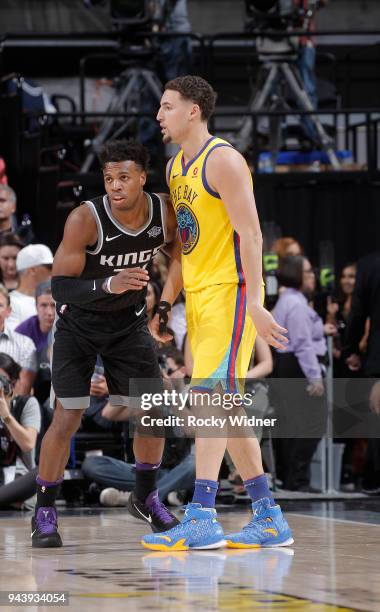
188,228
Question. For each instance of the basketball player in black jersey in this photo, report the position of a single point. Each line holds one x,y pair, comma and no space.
100,273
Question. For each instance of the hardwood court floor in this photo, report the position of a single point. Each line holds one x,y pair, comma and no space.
333,565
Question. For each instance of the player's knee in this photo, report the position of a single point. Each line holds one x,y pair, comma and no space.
66,422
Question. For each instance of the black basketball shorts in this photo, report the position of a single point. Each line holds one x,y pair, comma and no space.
122,340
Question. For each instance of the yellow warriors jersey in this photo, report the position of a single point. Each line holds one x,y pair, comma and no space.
210,246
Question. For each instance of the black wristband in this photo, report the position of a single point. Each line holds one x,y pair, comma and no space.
163,316
72,290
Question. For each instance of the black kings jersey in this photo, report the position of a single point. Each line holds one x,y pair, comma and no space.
119,248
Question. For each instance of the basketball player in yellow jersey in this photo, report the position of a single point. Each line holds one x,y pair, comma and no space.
221,243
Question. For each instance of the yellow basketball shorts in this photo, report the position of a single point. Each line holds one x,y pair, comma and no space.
221,335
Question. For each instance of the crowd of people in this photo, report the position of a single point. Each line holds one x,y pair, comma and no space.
27,313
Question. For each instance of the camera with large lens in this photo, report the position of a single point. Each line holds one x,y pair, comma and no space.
281,16
131,12
270,9
277,13
6,385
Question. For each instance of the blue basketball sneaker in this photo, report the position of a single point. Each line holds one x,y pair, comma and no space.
199,529
267,528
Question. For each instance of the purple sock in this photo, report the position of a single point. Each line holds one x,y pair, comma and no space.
146,476
47,492
147,466
48,483
205,492
257,488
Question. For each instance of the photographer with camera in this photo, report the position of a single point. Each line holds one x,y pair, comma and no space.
20,423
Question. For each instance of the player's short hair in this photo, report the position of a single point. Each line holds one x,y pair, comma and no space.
290,271
43,289
10,366
281,246
10,193
124,150
11,239
197,90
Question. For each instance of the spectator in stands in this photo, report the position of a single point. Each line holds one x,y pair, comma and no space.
7,209
34,264
366,305
338,313
20,348
20,423
152,298
10,246
300,410
159,270
8,220
172,366
38,326
284,247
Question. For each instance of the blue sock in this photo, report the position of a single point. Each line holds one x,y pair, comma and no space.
257,488
205,492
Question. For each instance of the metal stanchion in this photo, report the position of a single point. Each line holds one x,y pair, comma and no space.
330,416
323,465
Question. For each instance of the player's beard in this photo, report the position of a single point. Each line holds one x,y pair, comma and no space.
166,139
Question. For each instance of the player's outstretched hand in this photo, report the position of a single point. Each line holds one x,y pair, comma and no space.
131,279
267,327
154,328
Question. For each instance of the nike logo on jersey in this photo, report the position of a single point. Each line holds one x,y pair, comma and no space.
33,532
94,287
109,238
146,518
175,175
